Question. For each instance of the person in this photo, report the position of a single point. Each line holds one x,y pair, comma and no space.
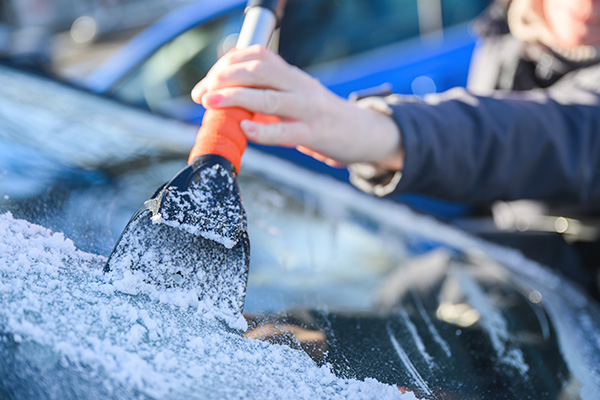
526,127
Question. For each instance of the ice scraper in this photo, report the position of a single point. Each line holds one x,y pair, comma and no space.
191,234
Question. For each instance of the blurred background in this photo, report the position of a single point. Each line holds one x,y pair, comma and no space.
72,36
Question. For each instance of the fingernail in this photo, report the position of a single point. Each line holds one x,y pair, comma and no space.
212,99
249,128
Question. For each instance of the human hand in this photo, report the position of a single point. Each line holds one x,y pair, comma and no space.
310,117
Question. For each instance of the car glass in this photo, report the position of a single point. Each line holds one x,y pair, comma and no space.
315,31
392,295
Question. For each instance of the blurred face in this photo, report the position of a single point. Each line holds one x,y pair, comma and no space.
573,22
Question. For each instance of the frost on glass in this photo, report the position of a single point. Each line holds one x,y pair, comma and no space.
190,242
68,331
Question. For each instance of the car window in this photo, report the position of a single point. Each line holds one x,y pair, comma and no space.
455,12
316,31
368,288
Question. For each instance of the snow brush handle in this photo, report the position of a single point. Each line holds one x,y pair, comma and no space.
220,133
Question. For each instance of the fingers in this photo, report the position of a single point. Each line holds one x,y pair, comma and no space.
255,52
288,134
311,118
272,102
254,66
254,73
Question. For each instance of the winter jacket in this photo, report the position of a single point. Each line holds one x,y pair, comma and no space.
527,126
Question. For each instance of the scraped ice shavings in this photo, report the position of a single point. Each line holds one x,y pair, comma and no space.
211,207
190,244
66,329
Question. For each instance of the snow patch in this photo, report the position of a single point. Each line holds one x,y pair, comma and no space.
102,338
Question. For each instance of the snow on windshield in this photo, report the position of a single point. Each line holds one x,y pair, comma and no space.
67,329
190,243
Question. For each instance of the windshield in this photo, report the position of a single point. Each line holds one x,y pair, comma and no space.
347,294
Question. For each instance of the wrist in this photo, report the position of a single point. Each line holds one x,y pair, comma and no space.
383,139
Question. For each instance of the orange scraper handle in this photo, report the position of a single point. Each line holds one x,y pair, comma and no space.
220,134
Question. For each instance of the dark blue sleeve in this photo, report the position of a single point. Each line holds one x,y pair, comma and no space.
541,144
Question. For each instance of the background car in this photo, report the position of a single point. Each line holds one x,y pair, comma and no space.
353,296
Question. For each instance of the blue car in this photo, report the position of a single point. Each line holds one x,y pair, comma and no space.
415,47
